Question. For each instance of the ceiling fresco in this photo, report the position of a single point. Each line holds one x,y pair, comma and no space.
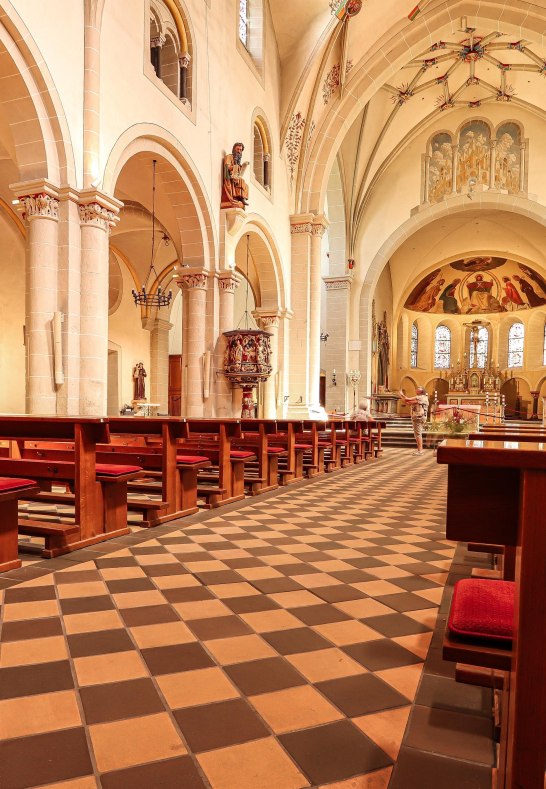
478,286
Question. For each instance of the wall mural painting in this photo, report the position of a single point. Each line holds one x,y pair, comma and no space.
441,167
477,286
508,157
474,155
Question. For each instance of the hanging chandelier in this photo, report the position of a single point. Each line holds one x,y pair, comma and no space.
158,298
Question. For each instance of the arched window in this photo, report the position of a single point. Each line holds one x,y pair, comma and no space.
250,31
414,345
516,340
442,348
244,22
261,162
170,49
479,348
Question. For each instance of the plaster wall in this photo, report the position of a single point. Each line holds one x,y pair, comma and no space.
12,319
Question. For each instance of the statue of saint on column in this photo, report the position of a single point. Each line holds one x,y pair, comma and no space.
234,186
139,384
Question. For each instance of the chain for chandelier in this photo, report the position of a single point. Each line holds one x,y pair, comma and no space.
246,316
158,298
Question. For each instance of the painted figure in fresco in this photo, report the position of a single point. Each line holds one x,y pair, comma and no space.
537,279
448,298
481,299
528,291
139,384
512,296
428,299
420,288
238,355
235,188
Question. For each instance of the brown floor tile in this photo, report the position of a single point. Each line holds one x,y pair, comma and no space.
381,654
219,725
219,577
118,700
44,758
251,603
338,594
453,734
193,688
261,763
419,770
175,658
31,628
27,715
155,570
114,666
87,604
391,625
149,615
130,585
135,741
218,627
187,594
303,639
334,752
405,601
264,676
295,708
178,773
240,649
274,585
30,680
319,614
361,694
76,577
82,644
29,594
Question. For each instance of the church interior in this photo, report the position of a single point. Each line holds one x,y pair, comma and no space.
253,254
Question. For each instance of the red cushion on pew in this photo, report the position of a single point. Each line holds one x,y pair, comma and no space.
303,446
190,458
115,470
483,608
9,483
275,450
240,453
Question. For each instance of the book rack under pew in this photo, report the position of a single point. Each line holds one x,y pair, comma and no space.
291,465
11,490
261,475
99,491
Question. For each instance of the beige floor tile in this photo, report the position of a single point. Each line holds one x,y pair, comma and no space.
344,553
434,595
239,649
162,635
324,664
404,679
87,589
376,588
418,644
138,599
37,610
316,580
361,609
332,566
149,559
225,591
175,581
398,559
258,573
208,566
191,688
261,764
295,599
26,715
385,728
426,616
202,609
135,741
121,573
268,621
377,780
115,667
348,632
279,559
295,708
387,572
32,651
91,622
232,553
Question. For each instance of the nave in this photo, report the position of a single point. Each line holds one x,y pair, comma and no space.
276,643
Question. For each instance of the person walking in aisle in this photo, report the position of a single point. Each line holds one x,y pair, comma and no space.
419,411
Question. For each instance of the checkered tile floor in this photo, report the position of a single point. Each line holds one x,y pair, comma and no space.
275,644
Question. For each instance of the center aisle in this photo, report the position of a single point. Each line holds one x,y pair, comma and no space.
274,644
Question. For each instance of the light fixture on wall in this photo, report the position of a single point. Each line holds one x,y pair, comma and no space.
334,382
324,336
159,298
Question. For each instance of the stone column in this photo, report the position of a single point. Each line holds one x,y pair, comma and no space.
454,167
301,228
91,91
159,362
97,215
267,171
40,206
320,223
194,281
156,43
522,167
492,163
184,62
228,282
268,321
338,291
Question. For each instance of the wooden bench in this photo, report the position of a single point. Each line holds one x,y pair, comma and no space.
100,492
263,474
291,464
313,459
11,490
496,494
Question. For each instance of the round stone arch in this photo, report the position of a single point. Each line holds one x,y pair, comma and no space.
402,42
196,240
271,290
42,148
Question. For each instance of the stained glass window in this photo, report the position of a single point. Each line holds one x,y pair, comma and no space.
516,337
442,348
415,345
243,21
478,351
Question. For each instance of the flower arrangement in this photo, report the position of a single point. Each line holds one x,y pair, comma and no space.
455,423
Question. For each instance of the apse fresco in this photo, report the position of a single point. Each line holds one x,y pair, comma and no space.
477,286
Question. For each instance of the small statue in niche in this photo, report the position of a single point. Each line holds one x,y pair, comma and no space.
139,384
234,186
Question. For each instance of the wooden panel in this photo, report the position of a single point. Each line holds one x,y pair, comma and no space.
175,385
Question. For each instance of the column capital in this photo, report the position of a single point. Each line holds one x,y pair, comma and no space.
192,278
267,318
228,280
98,209
184,60
320,225
301,223
493,143
338,283
39,198
158,41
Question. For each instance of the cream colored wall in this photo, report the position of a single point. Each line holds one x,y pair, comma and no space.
12,319
125,329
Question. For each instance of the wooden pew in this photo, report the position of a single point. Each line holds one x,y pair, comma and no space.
313,459
496,494
11,490
100,494
290,465
263,475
